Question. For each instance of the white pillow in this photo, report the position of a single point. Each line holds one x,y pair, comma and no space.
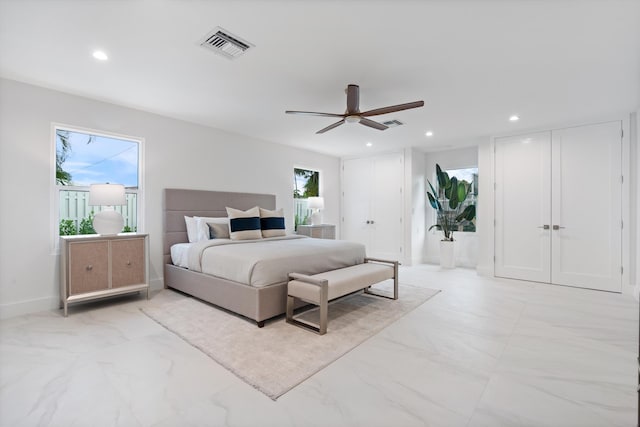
192,231
244,225
206,225
272,223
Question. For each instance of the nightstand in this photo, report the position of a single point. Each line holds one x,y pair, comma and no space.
322,231
95,266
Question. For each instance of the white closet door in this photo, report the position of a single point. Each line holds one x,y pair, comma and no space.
372,204
587,211
357,187
522,210
386,209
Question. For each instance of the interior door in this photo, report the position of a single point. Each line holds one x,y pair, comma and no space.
372,203
357,186
587,211
386,206
523,207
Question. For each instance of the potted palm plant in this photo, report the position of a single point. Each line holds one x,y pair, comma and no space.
452,214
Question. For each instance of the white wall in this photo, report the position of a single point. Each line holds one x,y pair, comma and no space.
484,209
177,155
466,247
418,208
635,202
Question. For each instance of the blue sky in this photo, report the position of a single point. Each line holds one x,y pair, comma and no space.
466,174
102,160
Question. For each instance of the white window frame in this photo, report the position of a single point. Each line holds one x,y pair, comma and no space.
435,180
293,188
55,188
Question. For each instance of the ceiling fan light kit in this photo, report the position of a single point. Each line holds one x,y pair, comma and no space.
353,114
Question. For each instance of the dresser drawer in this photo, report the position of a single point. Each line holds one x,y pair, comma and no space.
88,267
127,262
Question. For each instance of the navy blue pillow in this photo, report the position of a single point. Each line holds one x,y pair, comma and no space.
272,223
244,225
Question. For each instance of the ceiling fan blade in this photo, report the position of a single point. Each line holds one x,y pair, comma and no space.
392,108
373,124
335,125
312,113
353,99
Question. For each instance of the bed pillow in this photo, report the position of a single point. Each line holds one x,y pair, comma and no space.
272,223
217,228
244,225
204,231
192,231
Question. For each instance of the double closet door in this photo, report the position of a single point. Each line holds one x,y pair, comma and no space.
558,207
372,204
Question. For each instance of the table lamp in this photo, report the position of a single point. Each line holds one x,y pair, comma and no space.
107,221
316,204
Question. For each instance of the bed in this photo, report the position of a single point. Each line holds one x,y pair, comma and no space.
232,277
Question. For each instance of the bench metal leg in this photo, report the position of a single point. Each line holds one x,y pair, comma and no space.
290,302
324,313
368,290
320,329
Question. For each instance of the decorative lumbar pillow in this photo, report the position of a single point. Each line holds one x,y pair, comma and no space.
192,231
218,228
244,225
272,223
204,229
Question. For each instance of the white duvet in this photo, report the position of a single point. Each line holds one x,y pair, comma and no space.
268,261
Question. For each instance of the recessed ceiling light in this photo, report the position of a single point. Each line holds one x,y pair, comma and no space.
429,133
100,55
514,118
369,144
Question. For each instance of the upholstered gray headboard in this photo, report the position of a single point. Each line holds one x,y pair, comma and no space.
178,203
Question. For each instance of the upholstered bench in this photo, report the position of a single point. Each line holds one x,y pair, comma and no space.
321,288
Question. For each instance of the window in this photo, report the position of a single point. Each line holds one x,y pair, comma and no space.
84,158
469,175
306,183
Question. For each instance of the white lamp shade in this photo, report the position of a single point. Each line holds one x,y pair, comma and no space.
106,195
316,202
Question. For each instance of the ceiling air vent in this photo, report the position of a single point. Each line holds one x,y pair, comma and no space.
226,44
392,123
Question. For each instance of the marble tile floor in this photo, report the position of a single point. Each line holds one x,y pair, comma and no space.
484,352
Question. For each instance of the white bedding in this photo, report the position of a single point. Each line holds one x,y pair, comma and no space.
180,254
268,261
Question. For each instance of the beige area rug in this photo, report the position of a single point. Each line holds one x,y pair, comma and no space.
276,358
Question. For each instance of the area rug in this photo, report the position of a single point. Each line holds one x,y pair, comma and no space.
279,356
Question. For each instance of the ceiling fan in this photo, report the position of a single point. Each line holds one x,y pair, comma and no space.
353,113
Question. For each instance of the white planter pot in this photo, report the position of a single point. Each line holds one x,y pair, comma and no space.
447,254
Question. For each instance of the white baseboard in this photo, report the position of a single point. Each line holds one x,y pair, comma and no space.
484,271
459,263
50,303
432,260
156,284
29,306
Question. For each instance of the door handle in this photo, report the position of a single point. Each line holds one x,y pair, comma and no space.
544,227
557,227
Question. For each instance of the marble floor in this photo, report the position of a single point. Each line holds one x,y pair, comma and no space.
484,352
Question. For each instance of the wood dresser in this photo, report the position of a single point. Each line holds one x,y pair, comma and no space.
96,266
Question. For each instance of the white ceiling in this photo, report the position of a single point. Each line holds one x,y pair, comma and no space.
474,63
